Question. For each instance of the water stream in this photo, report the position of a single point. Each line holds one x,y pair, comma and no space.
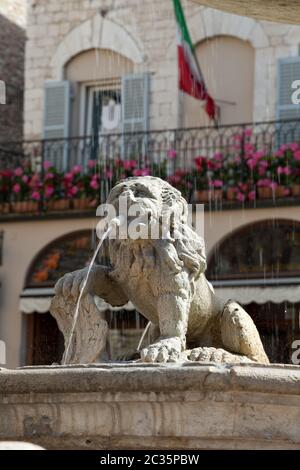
113,222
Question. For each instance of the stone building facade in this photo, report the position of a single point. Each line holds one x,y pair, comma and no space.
143,34
12,55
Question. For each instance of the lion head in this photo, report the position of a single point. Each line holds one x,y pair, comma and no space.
164,212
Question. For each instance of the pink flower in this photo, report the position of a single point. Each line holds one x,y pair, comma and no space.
294,146
251,162
76,169
264,183
49,191
248,148
144,172
49,176
240,197
273,185
251,195
16,188
94,184
248,132
25,179
283,170
237,137
129,164
19,171
68,177
218,156
284,147
74,190
297,155
217,183
171,154
91,164
109,174
47,165
258,155
262,170
279,153
243,186
36,196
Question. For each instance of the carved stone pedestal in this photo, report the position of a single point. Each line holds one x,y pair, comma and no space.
135,406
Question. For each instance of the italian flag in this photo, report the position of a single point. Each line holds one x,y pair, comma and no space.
190,77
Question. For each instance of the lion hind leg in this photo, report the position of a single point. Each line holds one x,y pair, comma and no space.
239,333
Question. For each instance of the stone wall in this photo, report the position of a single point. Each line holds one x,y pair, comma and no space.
139,406
12,51
150,26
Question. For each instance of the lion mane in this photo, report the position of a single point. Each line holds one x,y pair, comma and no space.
182,249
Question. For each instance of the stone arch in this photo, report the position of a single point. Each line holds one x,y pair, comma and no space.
78,239
96,33
251,233
207,23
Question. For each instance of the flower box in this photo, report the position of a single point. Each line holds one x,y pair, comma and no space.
265,193
231,194
206,195
201,195
58,205
4,207
217,194
81,204
281,191
295,190
22,207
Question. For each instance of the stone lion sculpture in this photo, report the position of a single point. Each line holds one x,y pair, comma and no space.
164,278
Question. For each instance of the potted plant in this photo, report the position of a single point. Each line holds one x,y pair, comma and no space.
181,181
54,190
201,177
25,191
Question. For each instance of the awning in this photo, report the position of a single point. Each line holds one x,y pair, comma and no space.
260,295
39,300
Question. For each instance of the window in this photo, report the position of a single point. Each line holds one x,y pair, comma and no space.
103,110
268,249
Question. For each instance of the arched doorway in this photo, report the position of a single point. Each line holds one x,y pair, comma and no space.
259,265
227,64
44,341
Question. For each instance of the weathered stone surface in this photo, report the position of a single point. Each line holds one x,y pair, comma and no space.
162,273
287,11
136,406
90,333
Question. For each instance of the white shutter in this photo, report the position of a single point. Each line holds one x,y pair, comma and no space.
57,121
135,115
288,72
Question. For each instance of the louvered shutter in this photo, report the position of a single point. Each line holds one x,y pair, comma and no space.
57,122
135,114
288,72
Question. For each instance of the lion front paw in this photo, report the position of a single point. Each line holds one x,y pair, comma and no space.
165,350
215,355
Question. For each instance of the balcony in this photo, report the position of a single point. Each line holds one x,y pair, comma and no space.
248,165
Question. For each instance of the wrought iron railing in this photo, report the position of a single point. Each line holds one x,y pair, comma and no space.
158,152
153,146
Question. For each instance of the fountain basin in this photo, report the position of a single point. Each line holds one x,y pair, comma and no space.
140,406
